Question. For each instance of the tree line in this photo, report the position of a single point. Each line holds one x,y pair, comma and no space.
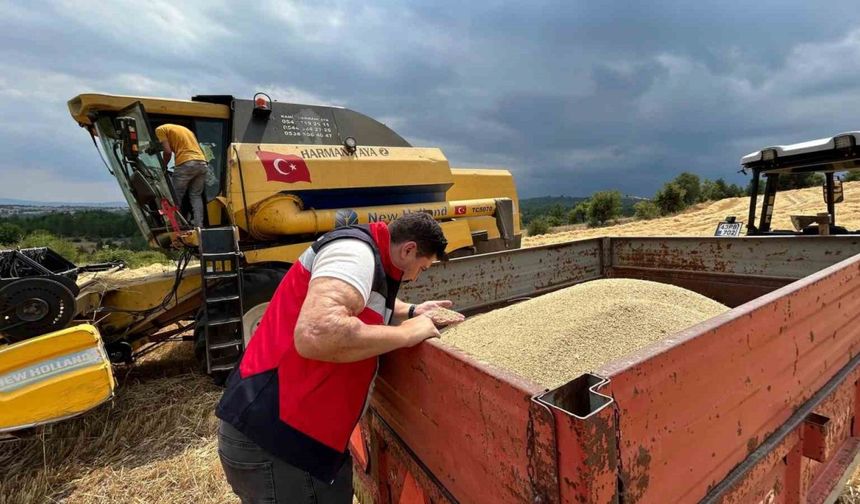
90,224
114,236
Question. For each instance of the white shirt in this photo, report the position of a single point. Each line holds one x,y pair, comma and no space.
347,259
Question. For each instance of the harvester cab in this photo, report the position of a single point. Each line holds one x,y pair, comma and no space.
133,155
826,156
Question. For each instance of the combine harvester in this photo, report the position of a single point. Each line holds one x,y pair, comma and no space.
282,174
755,405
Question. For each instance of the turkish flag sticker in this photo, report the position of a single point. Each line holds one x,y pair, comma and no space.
284,167
460,210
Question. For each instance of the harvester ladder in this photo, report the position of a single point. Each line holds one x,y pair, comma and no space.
221,267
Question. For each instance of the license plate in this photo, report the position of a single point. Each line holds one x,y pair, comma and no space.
728,229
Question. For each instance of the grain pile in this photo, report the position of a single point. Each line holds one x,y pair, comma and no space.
557,337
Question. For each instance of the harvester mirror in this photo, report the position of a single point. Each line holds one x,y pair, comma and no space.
838,195
127,132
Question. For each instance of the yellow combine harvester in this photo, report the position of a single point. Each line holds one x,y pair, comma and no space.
281,174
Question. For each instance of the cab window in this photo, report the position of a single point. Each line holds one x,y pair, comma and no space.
211,135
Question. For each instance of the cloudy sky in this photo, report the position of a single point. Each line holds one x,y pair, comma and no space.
571,96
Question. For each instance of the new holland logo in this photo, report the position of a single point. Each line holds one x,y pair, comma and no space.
47,369
346,217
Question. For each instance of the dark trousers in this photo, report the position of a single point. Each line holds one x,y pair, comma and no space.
257,477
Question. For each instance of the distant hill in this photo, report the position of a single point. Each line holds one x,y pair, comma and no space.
542,205
18,202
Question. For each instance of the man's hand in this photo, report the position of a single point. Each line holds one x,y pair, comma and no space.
419,329
428,306
442,317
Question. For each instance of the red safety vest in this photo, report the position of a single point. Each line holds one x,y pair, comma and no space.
302,410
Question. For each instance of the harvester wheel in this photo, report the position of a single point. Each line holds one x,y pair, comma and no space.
259,284
33,306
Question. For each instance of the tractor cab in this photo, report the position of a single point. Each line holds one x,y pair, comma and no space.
826,156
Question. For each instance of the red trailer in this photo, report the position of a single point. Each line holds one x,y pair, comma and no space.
755,405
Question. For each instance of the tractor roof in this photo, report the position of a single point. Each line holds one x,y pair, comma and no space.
836,153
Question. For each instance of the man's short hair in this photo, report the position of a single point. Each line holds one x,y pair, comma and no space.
423,229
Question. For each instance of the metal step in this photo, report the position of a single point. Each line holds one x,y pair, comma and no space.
228,344
222,299
219,322
221,259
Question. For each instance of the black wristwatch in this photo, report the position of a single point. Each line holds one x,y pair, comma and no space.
411,311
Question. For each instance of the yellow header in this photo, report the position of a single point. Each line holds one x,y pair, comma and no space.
52,377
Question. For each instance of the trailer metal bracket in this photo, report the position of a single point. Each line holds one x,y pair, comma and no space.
583,416
816,430
542,449
578,397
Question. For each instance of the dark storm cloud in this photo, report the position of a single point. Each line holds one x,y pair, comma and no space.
571,96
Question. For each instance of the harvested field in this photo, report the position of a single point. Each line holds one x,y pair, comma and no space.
851,493
557,337
702,219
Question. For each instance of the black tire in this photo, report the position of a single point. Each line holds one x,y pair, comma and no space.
36,305
259,284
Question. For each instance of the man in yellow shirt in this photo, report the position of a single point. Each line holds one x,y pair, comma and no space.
190,170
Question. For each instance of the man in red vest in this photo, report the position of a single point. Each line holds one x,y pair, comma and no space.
305,379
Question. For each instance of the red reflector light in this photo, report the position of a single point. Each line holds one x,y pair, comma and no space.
262,106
